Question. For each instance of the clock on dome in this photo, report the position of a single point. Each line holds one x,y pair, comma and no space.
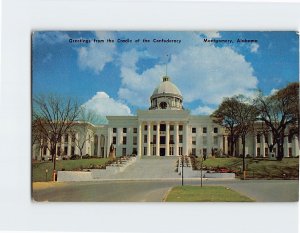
163,105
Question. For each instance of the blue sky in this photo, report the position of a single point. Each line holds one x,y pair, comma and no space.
118,78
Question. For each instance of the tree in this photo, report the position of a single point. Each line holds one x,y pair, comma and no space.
280,112
237,114
85,117
53,117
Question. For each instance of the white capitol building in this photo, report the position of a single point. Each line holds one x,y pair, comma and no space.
166,129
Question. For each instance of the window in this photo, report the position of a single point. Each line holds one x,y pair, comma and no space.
124,140
215,140
163,127
258,152
193,140
204,140
123,151
204,152
171,127
180,138
114,140
114,130
154,127
266,151
180,150
145,127
145,150
258,138
171,150
194,130
134,151
290,139
66,137
124,130
72,150
154,139
215,130
193,151
171,139
180,127
44,150
154,150
266,139
290,152
73,137
134,140
65,150
134,130
145,138
204,130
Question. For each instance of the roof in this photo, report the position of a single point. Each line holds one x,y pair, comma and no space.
166,87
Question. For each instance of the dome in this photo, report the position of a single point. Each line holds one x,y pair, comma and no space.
166,96
166,87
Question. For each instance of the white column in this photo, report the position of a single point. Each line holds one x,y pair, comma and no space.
285,146
254,145
176,139
226,144
158,139
186,139
119,142
167,139
69,144
262,145
240,142
99,145
109,141
104,147
220,144
148,138
76,147
295,146
139,142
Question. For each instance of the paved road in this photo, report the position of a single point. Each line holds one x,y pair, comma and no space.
154,191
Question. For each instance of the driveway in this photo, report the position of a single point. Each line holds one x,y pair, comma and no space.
155,190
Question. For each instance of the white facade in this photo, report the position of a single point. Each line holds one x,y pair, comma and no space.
166,129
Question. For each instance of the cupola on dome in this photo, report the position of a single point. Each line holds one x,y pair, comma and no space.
166,96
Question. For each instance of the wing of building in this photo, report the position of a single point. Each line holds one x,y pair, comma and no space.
165,129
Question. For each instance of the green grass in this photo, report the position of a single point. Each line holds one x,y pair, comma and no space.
288,168
39,168
205,194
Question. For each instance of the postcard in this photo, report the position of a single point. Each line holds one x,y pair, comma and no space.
165,116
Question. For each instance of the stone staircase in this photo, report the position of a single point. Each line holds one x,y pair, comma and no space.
152,167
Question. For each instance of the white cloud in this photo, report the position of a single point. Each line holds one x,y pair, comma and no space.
205,73
254,47
205,110
96,55
273,91
212,34
51,37
103,105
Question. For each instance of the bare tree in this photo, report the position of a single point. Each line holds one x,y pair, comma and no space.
86,117
280,112
53,117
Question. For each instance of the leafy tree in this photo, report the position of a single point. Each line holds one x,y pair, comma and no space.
237,114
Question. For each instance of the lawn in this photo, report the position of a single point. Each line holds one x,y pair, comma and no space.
205,194
39,168
258,168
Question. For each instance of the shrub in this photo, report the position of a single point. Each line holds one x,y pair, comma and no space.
74,157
